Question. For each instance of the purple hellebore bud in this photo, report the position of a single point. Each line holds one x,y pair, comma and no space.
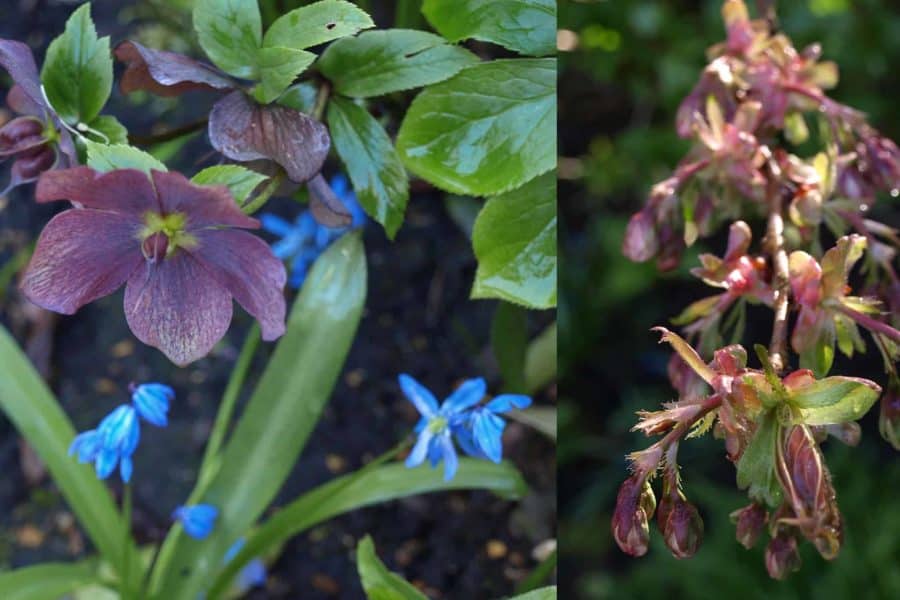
635,505
749,523
782,557
681,525
177,246
20,134
640,243
889,417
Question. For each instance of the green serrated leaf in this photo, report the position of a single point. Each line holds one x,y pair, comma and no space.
78,70
380,62
515,242
230,32
378,582
110,128
833,400
120,156
378,177
240,181
488,130
316,24
301,97
278,67
756,467
524,26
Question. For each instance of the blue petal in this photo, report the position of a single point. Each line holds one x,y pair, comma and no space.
118,426
467,442
506,402
275,224
287,246
419,395
435,451
488,434
451,461
340,186
106,462
234,549
254,574
197,520
129,444
152,402
86,445
125,468
468,394
420,450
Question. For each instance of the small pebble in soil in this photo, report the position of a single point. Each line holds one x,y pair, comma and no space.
122,349
335,463
29,536
105,386
326,584
496,549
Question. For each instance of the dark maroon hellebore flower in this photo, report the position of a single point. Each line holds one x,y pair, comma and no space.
177,247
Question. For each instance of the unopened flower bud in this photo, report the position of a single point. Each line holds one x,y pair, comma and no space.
634,509
681,525
32,163
20,130
782,557
749,523
889,417
640,243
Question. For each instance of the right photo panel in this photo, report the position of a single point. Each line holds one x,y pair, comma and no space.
729,402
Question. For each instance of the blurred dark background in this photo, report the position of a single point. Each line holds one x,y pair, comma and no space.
625,65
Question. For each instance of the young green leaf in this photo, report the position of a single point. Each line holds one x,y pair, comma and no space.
834,400
509,340
378,582
78,70
120,156
515,243
381,62
488,130
277,420
230,32
240,181
756,467
372,163
278,67
524,26
316,24
110,128
47,580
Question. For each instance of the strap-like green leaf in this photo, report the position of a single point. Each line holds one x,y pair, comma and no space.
36,414
77,72
378,582
278,419
46,581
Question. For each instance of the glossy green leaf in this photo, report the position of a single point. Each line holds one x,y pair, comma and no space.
515,243
540,418
378,176
277,420
45,581
547,593
834,400
239,180
300,96
756,467
509,341
38,417
488,130
278,67
109,128
365,488
78,72
230,32
377,581
381,62
525,26
316,24
540,360
120,156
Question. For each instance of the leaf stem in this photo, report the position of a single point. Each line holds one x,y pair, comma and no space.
873,325
257,202
321,100
780,277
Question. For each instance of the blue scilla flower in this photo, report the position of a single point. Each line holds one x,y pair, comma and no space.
151,400
481,434
252,575
198,520
435,428
305,239
111,444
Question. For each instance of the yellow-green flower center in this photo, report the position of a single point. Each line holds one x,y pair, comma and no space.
437,424
172,227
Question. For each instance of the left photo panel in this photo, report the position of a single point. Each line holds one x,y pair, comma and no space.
278,288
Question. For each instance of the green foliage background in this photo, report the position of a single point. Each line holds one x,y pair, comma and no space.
619,89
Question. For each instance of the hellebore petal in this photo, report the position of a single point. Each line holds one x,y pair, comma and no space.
246,267
243,130
21,134
465,396
20,102
166,73
123,191
81,255
419,395
177,306
30,165
204,205
325,205
198,520
151,400
18,61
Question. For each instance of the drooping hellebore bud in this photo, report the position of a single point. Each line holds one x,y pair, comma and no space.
681,525
32,163
889,417
782,557
20,132
155,247
749,523
635,505
640,243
